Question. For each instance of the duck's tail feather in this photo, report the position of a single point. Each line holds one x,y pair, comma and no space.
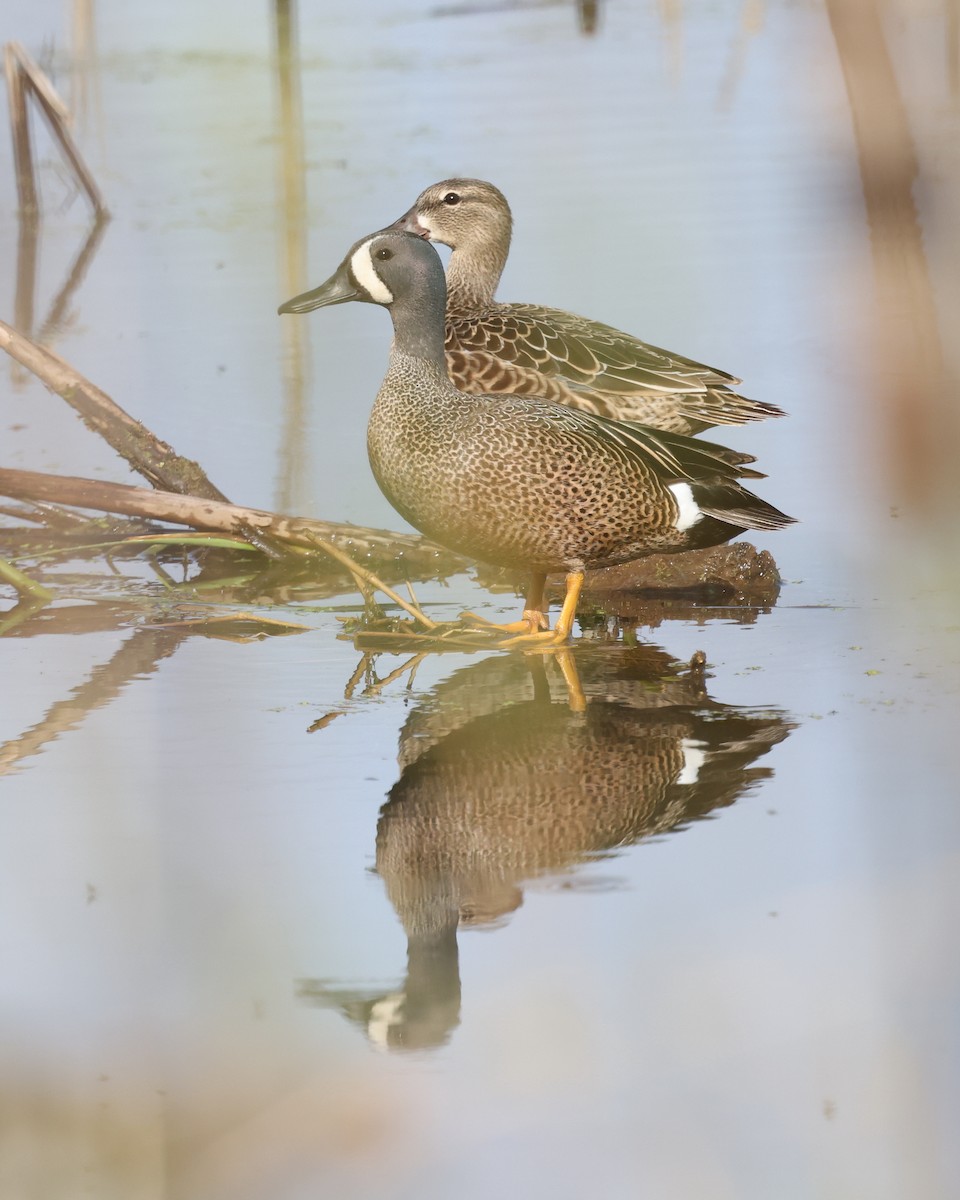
734,505
720,406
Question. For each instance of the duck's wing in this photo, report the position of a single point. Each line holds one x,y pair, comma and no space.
672,457
583,351
531,350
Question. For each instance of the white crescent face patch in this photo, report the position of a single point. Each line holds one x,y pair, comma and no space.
365,273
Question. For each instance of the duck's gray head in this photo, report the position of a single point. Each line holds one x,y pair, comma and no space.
379,269
459,212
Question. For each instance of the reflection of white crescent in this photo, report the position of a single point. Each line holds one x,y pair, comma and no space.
384,1016
693,759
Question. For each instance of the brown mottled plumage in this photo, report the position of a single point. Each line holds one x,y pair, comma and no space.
519,481
531,350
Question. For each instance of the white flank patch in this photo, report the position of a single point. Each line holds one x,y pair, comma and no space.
693,759
384,1016
690,512
364,272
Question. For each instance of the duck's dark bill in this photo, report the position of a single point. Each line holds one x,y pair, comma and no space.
408,223
338,289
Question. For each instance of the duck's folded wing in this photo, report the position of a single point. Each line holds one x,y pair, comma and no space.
585,353
673,457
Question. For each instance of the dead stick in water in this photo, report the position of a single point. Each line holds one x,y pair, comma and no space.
198,512
57,116
201,504
152,458
368,577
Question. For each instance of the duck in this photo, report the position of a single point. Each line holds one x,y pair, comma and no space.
519,481
529,349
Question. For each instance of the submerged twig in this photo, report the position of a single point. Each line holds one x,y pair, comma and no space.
408,665
368,577
23,583
20,614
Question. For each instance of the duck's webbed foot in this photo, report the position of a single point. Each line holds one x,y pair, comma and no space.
561,631
530,623
534,619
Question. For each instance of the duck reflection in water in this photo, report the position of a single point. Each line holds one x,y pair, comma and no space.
503,781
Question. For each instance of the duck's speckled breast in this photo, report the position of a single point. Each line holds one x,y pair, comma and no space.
507,480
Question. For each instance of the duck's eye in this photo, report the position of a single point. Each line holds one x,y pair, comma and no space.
451,198
383,253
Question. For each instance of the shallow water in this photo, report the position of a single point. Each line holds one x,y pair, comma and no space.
447,936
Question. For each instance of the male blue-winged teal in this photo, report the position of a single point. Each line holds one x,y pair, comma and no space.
531,350
517,480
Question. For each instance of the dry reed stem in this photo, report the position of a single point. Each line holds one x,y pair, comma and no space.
20,131
32,79
922,427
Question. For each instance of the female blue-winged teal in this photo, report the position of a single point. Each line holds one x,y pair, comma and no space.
530,350
516,480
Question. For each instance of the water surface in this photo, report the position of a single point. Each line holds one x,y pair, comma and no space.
459,938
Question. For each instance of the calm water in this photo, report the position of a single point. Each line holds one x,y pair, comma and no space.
461,940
